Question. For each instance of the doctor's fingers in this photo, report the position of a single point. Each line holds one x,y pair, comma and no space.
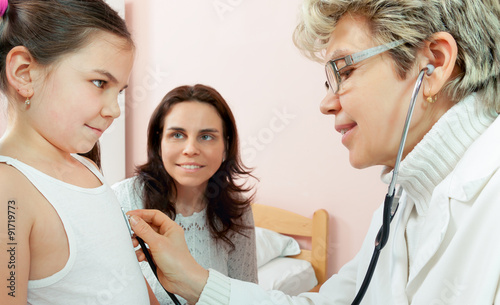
160,222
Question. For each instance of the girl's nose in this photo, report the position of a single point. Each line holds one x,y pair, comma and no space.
111,108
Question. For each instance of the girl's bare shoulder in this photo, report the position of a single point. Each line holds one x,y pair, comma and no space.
17,218
16,188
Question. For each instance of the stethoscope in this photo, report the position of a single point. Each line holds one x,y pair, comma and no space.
391,205
149,258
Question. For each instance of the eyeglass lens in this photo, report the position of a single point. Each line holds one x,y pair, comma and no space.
331,78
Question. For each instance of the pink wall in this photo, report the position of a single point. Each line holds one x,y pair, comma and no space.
244,49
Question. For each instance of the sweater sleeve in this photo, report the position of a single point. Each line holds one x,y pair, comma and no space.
217,290
242,261
221,290
340,289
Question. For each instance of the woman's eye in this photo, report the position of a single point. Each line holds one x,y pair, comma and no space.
177,135
327,86
207,137
99,83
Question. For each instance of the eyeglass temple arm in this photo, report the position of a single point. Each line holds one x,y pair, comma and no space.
357,57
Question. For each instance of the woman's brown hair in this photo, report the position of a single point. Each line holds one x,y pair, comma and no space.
226,200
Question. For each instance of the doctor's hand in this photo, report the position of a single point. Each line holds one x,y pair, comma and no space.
177,270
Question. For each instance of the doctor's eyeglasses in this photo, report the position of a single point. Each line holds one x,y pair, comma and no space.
334,67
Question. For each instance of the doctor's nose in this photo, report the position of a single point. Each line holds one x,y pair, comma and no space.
330,103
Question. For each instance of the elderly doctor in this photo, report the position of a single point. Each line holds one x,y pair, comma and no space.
443,246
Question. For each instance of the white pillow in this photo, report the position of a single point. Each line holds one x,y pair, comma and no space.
290,275
271,245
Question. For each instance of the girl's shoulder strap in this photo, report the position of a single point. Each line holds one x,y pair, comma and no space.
5,159
28,171
90,165
25,169
12,162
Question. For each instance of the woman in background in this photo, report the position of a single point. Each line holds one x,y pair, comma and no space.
193,162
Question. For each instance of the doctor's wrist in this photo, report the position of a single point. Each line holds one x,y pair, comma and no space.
217,290
193,284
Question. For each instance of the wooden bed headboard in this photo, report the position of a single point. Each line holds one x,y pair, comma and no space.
290,223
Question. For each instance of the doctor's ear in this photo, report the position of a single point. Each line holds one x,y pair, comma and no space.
440,50
19,71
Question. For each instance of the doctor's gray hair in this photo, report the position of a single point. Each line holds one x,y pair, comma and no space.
474,24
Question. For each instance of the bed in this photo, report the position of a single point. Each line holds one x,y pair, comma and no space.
282,263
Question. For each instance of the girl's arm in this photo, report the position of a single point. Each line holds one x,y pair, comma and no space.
16,221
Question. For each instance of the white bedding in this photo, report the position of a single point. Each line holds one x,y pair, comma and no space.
290,275
278,272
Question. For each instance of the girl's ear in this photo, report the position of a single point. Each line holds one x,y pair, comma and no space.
441,51
19,65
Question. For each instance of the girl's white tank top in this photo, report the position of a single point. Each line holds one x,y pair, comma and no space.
102,267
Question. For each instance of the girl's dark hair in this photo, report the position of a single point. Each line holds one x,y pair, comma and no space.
50,29
226,202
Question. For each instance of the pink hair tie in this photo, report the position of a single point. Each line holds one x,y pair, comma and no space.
3,6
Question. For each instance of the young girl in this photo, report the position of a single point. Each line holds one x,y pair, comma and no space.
193,161
63,238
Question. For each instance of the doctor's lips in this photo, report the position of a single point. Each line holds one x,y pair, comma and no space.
343,129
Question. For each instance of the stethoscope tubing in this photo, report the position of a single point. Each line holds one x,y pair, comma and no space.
149,258
428,69
152,265
389,210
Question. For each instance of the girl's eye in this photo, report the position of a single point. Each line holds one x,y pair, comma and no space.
99,83
207,137
327,86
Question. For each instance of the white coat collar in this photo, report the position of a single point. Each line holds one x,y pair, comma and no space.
440,150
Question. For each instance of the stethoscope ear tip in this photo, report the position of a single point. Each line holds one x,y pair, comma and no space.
430,69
